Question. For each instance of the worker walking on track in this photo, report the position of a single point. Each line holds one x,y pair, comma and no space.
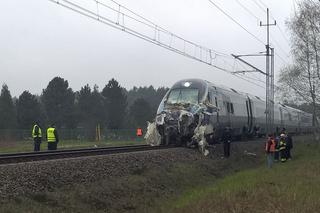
52,137
270,149
37,136
282,148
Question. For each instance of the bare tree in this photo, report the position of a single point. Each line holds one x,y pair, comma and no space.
301,81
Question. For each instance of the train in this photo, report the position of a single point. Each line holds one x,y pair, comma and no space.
196,111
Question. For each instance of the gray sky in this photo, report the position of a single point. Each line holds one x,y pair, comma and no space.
40,40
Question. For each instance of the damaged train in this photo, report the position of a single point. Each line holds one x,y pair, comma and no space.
196,113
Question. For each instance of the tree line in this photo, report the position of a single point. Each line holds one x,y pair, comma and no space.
113,107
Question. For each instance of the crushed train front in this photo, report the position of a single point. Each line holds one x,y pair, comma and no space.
183,114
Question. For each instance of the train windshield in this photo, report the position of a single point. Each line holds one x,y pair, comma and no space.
183,95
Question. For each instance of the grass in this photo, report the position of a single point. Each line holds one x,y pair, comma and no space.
27,146
293,186
239,184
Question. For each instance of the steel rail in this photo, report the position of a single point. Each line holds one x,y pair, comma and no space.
74,153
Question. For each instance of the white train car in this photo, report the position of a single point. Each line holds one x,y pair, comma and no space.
194,102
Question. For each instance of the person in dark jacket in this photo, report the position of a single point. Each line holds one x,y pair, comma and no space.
37,136
52,137
226,139
289,146
282,148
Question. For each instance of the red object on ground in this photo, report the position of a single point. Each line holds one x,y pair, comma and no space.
139,132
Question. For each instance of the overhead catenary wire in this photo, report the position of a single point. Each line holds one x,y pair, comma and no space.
256,78
259,6
151,24
263,8
236,22
281,49
249,11
95,15
263,3
273,39
99,17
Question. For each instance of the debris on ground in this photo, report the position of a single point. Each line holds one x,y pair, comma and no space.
152,136
199,138
249,153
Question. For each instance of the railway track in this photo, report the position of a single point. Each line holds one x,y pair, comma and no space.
72,153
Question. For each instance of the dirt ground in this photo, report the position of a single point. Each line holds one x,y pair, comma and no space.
140,182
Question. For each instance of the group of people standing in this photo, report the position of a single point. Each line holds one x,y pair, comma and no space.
278,148
52,137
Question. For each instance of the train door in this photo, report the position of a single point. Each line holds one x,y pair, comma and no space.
249,115
228,107
213,99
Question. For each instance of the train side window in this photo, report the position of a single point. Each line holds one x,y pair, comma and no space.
231,108
228,107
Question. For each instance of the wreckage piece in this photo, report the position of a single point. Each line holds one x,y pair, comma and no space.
199,136
152,136
200,140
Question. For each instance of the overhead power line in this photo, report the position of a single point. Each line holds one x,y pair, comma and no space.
273,39
259,6
154,33
248,10
128,21
263,8
236,22
263,3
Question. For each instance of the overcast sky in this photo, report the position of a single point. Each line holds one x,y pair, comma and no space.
40,40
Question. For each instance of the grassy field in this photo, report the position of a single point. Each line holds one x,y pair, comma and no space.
27,146
293,186
242,183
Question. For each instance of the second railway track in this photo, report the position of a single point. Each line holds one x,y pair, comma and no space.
72,153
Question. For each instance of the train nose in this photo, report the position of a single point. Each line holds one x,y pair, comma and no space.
185,120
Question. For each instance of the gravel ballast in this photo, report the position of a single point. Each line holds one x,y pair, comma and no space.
33,177
133,182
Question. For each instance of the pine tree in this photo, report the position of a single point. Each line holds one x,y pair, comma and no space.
28,110
140,113
115,103
7,109
58,100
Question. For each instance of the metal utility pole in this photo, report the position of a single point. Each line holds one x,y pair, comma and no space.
269,80
272,89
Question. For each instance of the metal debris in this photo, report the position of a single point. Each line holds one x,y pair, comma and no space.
249,153
152,136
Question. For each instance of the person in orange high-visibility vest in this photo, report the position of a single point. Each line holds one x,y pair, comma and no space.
270,149
139,132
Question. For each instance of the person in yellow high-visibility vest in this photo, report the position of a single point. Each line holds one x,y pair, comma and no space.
52,137
37,136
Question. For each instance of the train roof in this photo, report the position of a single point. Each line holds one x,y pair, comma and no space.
204,83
